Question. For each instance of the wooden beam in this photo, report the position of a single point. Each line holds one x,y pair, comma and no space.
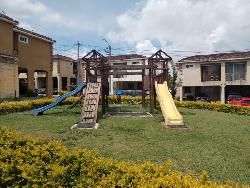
127,67
125,73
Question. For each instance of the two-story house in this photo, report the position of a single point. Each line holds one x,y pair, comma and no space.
64,72
25,56
214,75
8,59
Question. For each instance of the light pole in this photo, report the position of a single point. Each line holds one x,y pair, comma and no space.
109,59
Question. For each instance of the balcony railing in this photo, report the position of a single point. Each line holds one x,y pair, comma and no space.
233,77
205,78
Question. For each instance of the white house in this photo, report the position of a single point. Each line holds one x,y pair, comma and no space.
214,75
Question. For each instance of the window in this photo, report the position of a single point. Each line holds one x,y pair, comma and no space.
235,71
23,39
187,90
211,72
135,63
188,66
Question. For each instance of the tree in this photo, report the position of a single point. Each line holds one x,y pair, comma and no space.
172,83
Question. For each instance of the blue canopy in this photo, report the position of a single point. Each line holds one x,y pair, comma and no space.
118,92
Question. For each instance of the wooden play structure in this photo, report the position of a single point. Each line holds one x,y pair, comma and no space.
98,71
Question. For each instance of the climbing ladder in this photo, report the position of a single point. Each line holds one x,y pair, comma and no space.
90,106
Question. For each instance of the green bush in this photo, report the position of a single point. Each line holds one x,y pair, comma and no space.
62,92
29,162
18,106
215,106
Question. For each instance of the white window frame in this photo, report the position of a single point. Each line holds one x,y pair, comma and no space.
189,66
22,36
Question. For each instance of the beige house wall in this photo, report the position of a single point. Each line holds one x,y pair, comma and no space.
36,55
6,37
63,68
9,85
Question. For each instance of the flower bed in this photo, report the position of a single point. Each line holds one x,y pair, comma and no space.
32,162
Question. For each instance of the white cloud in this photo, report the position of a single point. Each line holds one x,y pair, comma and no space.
73,53
33,8
26,26
146,47
193,25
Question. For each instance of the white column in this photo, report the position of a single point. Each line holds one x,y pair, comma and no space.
111,87
223,73
223,83
181,93
59,82
222,94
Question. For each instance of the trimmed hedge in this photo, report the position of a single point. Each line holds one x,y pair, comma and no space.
29,162
213,106
10,107
18,106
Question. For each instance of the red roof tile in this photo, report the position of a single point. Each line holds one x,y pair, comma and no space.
217,57
3,16
19,29
58,56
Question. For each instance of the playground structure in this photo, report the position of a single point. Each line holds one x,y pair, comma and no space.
98,69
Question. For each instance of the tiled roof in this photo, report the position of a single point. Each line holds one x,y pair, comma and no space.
9,19
22,30
217,57
32,33
130,56
58,56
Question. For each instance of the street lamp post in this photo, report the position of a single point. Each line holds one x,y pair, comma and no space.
109,59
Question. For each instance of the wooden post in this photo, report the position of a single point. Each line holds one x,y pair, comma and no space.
165,72
95,75
151,89
107,87
143,88
103,90
154,92
87,71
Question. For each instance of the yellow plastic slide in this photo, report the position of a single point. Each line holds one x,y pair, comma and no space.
168,108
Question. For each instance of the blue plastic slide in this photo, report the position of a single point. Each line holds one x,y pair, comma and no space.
39,111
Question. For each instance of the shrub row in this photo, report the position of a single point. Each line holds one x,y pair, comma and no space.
18,106
9,107
29,162
213,106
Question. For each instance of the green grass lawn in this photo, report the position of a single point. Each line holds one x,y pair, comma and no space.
216,142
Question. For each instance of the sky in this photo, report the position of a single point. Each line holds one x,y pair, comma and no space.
180,27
